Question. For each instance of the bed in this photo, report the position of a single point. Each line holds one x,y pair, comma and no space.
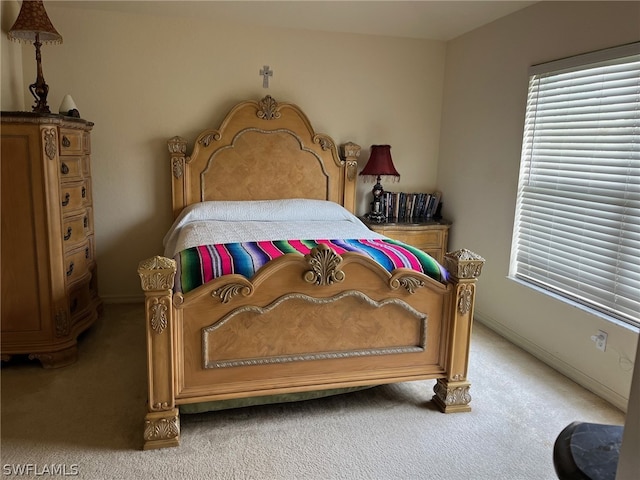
318,315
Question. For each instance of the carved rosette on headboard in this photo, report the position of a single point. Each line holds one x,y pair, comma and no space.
268,108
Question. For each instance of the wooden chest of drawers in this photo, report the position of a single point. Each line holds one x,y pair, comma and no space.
49,283
429,235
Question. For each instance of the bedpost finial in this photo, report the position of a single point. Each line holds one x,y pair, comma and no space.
464,264
177,145
157,273
350,151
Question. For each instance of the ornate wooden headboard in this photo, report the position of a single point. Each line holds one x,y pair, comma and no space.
263,151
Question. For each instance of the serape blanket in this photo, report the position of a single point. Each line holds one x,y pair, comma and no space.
198,265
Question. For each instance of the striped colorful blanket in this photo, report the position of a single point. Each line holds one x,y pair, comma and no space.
198,265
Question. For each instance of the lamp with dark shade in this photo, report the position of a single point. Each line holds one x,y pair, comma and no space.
33,25
379,165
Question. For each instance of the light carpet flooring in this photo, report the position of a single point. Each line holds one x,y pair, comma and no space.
88,417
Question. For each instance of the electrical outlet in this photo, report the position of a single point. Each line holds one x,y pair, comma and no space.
601,340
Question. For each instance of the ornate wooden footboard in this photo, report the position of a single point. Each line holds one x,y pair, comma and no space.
300,324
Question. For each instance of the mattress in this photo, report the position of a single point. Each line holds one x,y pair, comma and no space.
211,239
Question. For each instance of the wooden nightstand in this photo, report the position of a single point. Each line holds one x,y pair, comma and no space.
429,235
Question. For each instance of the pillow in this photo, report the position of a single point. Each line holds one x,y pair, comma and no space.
289,210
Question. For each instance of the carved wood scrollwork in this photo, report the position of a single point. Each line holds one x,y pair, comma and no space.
157,273
158,320
50,147
268,109
210,137
409,282
162,428
324,142
177,166
464,264
452,395
465,298
177,148
62,323
352,169
324,264
177,145
230,290
350,150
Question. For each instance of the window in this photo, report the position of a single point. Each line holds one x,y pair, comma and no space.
577,226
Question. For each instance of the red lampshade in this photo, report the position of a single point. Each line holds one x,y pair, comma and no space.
380,162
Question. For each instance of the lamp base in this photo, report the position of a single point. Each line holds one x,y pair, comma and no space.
374,217
40,89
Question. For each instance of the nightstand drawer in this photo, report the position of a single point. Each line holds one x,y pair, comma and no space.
418,238
428,234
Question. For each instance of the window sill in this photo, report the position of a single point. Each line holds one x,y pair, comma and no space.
608,318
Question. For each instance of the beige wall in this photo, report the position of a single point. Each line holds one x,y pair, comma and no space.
144,79
11,81
483,115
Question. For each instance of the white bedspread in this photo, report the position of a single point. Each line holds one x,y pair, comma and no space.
207,223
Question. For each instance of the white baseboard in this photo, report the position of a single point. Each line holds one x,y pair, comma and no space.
554,362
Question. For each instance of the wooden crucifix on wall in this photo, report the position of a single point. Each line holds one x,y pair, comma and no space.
266,72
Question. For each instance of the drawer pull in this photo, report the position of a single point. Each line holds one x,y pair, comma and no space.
66,142
86,222
70,271
74,305
67,235
84,192
86,252
65,202
64,168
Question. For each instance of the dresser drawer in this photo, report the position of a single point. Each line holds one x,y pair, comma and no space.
73,168
77,262
71,142
76,228
81,298
75,195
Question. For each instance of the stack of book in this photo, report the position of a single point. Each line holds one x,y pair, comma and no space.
410,206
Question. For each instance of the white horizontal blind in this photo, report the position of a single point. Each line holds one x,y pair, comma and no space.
577,230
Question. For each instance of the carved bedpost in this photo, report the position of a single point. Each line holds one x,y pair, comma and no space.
452,392
178,149
350,153
162,423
